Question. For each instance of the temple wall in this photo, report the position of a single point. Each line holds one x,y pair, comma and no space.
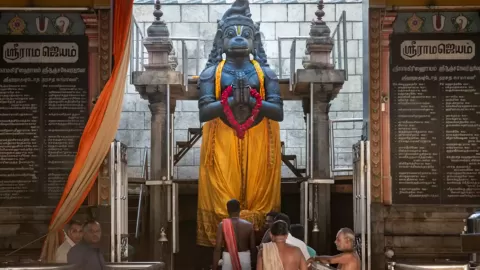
277,19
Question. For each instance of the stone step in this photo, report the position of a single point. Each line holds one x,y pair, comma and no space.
289,157
195,131
183,144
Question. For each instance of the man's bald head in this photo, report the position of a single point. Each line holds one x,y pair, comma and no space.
92,232
345,239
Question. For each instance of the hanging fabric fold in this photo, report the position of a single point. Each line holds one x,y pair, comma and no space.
99,132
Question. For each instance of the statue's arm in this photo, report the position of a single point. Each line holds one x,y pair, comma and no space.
209,107
272,106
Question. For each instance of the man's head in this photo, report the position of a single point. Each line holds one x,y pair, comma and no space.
297,231
279,231
92,232
75,231
270,218
345,240
283,217
233,208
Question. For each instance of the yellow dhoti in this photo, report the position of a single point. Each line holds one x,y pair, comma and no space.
248,170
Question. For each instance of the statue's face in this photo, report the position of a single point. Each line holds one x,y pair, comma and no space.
238,40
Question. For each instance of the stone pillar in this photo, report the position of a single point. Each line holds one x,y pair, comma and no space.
319,47
159,47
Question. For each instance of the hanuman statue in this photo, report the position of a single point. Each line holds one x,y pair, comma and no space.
241,106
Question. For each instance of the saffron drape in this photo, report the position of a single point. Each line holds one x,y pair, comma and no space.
97,135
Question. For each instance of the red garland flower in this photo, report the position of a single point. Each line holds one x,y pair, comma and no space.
240,129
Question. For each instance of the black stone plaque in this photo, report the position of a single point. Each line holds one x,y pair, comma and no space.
43,110
435,118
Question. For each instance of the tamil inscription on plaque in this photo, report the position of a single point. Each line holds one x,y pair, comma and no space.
435,118
43,110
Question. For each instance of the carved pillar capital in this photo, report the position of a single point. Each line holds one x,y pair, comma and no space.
387,29
91,24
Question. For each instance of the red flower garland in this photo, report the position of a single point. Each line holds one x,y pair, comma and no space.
240,129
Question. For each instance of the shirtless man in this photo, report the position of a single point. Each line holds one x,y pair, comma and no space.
231,231
278,255
348,259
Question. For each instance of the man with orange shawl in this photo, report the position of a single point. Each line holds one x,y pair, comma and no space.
241,105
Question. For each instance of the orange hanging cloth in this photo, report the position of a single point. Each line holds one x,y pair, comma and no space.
231,242
98,133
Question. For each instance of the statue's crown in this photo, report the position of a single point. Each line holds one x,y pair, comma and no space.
237,14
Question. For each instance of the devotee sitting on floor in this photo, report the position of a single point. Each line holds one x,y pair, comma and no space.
73,235
298,231
238,238
291,240
278,254
348,259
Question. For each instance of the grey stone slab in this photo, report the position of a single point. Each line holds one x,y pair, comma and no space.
320,76
140,138
189,105
359,65
256,10
353,85
194,13
286,172
132,120
185,29
344,159
271,48
290,29
187,172
351,66
340,103
293,120
296,12
186,120
292,106
135,156
267,30
296,138
286,66
355,102
141,105
353,11
357,30
187,159
283,135
196,156
305,27
125,136
134,171
344,142
208,31
349,133
352,49
274,13
129,102
216,12
148,120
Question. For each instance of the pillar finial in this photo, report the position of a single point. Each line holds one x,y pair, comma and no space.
319,13
158,13
319,28
158,27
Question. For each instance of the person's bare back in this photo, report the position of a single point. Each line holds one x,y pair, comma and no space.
244,234
292,257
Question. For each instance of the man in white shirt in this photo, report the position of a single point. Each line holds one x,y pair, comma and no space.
74,234
292,240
